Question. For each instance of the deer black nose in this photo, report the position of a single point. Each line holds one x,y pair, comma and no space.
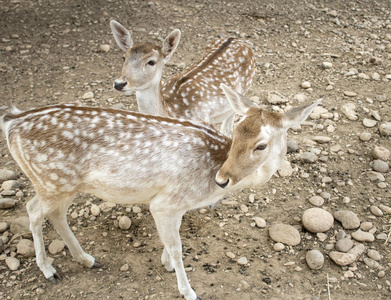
119,85
222,185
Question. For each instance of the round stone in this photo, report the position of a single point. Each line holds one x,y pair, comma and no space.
230,254
284,233
380,166
12,263
56,246
104,48
314,259
317,220
385,129
308,157
362,236
25,247
316,200
10,185
261,223
4,226
344,245
306,84
374,255
88,95
369,123
124,223
327,65
366,226
278,247
6,203
242,261
95,210
349,110
376,211
365,136
348,219
7,175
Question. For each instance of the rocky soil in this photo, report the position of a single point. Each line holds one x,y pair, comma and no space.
320,229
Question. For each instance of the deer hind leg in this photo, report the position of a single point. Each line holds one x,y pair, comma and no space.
59,220
168,224
167,261
37,213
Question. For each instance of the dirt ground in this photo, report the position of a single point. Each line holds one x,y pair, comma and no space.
50,52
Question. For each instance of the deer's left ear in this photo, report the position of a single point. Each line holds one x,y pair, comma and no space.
239,103
121,35
298,115
170,44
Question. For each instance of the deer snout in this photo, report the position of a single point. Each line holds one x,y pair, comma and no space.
119,84
223,184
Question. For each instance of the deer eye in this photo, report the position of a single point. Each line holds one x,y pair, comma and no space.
152,62
261,147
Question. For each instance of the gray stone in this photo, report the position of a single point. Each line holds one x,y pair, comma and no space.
376,211
242,261
314,259
344,259
124,223
385,129
4,226
305,84
25,247
349,110
292,146
7,175
308,157
374,255
381,153
21,225
366,226
375,176
12,263
386,209
340,235
365,136
380,166
88,95
56,246
371,263
317,220
276,99
95,210
316,200
278,247
284,233
344,245
362,236
348,219
10,185
6,203
261,223
369,123
321,139
350,94
327,65
285,169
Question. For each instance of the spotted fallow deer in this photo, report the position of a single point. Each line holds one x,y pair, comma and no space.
195,93
174,165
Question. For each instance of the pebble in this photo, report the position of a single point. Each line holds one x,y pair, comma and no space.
136,209
6,203
321,236
340,235
276,99
314,259
382,236
124,223
381,274
362,236
317,220
230,254
376,76
7,175
375,176
56,246
244,208
20,225
278,247
385,129
381,153
376,211
365,136
380,166
321,139
348,219
369,123
95,210
124,268
104,48
350,94
10,185
386,209
349,110
344,259
25,247
344,245
327,65
12,263
88,95
366,226
261,223
308,157
284,233
242,261
4,226
374,255
305,84
285,169
371,263
316,200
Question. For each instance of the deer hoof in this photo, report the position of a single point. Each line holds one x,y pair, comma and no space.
97,265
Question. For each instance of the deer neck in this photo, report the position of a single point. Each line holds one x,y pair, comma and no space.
150,100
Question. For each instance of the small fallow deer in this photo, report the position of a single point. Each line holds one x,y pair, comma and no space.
174,165
195,93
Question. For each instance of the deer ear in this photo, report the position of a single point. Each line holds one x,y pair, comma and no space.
239,103
170,44
121,35
298,115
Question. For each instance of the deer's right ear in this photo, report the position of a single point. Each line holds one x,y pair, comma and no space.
239,103
121,35
170,44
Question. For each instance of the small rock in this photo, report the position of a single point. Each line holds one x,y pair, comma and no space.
95,210
369,123
4,226
124,223
380,166
10,185
344,245
88,95
382,236
292,146
350,94
305,84
321,139
284,233
242,261
261,223
366,226
124,268
6,203
386,209
25,247
7,175
56,246
104,48
278,247
376,211
348,219
317,220
374,255
362,236
321,236
308,157
327,65
381,274
340,235
376,76
385,129
230,254
375,176
136,209
365,136
349,110
371,263
314,259
285,169
244,208
316,200
381,153
21,225
344,259
276,99
12,263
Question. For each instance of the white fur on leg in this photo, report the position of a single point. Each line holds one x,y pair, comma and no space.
167,261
